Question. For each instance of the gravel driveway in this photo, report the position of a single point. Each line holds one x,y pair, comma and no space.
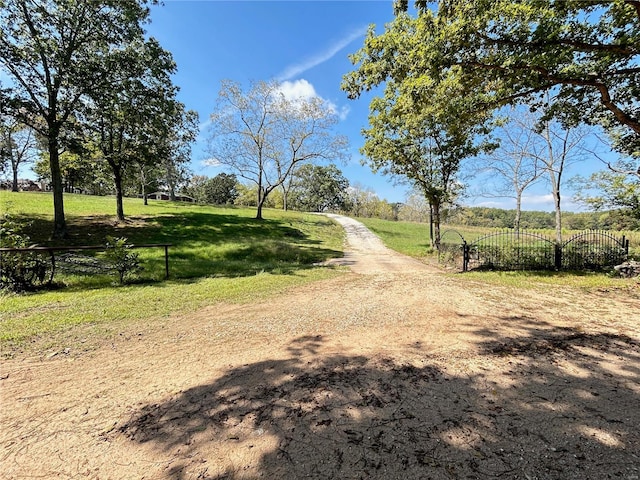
392,371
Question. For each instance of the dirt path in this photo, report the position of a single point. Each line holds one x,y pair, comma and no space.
392,371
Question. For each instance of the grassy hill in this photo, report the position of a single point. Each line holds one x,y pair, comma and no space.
217,254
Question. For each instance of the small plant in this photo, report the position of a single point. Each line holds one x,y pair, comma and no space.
20,271
125,262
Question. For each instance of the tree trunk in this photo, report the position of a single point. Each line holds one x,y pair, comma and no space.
117,179
143,184
436,224
556,204
431,239
284,198
516,221
59,223
262,196
14,183
259,211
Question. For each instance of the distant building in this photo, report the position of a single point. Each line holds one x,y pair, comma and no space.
166,196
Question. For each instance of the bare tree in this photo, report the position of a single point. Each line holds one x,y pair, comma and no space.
263,134
18,146
559,148
512,168
532,148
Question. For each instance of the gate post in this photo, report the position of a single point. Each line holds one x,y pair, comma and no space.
558,256
465,256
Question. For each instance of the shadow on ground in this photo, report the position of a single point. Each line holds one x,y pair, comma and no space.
552,404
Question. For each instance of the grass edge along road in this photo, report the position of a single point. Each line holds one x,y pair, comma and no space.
219,255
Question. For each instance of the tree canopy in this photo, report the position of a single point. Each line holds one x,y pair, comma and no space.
424,125
56,52
586,52
317,188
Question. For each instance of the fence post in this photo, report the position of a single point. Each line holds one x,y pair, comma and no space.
558,256
465,256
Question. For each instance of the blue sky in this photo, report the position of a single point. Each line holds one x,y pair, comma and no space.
304,43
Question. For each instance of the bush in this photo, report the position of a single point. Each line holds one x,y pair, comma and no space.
125,262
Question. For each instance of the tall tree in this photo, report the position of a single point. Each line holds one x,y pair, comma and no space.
133,115
55,52
263,135
424,126
586,52
513,167
559,147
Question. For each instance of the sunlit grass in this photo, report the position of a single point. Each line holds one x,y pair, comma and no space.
217,255
25,316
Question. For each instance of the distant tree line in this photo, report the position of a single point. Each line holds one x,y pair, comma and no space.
499,218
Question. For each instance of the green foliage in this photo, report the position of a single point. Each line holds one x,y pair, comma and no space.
616,188
56,54
586,52
426,123
124,261
318,188
222,189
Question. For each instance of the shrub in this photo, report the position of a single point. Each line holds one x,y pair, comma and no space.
125,262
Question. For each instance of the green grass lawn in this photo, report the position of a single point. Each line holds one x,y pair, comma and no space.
217,254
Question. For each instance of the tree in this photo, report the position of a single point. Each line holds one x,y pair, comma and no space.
222,189
264,135
425,125
616,188
414,209
55,52
585,52
196,188
133,115
363,202
560,147
513,167
82,172
318,188
17,146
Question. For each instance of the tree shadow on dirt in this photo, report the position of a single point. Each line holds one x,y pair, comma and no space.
531,407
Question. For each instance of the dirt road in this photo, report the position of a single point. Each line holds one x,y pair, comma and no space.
394,370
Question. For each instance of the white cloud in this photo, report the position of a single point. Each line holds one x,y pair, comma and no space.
321,57
303,90
343,113
211,162
298,90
